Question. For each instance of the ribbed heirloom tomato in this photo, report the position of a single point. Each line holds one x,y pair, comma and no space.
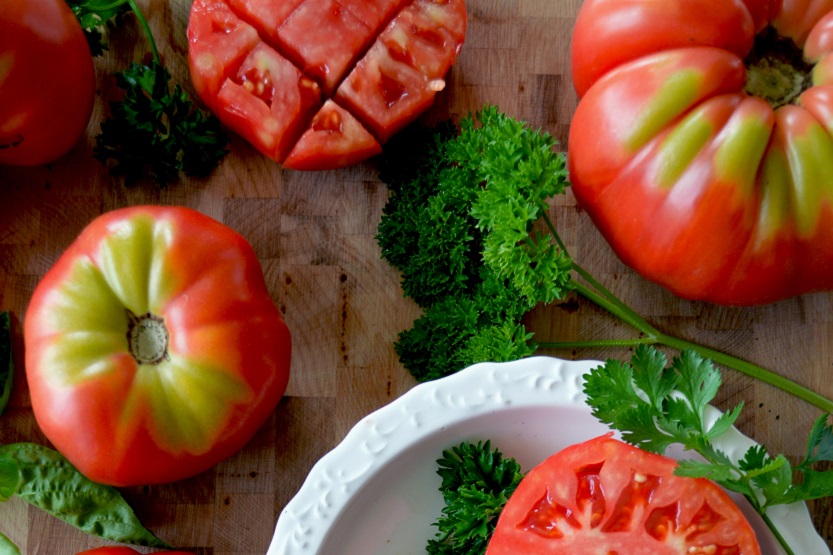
321,84
47,81
153,349
119,550
701,146
604,497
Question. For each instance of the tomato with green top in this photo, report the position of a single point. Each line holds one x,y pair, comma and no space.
604,496
701,146
322,84
153,349
47,81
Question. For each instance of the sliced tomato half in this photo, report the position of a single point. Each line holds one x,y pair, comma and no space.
266,67
606,497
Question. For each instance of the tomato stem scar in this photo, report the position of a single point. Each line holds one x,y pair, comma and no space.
776,70
147,338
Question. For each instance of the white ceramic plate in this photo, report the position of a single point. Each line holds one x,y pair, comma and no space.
377,492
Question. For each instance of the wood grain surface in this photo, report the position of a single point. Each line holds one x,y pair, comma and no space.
314,235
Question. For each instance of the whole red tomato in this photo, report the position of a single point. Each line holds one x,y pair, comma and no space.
701,146
47,81
153,349
119,550
321,84
605,496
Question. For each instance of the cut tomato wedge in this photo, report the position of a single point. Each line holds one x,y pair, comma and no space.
606,497
335,139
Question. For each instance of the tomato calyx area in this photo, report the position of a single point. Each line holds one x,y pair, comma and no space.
776,70
147,338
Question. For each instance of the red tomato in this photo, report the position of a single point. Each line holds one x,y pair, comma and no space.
321,84
698,184
118,550
47,81
604,496
153,347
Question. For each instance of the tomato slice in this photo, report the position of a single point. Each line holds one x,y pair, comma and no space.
324,39
606,497
269,102
335,139
400,75
219,42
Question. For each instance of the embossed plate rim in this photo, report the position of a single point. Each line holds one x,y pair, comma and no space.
362,473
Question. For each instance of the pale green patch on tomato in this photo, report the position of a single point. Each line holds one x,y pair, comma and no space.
134,261
775,185
823,71
682,145
190,402
676,95
810,159
740,152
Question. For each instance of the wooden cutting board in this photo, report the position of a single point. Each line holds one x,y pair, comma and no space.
314,234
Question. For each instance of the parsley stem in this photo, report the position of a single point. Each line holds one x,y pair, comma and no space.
143,22
597,293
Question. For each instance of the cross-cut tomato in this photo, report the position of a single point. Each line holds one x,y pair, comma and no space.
153,347
701,146
606,497
375,65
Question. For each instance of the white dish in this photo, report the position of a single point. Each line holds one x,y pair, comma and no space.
377,492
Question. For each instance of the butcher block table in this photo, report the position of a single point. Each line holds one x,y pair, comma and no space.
314,235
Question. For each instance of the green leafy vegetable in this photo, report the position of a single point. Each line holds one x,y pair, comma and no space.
93,15
48,481
467,224
655,406
476,484
7,547
6,360
155,129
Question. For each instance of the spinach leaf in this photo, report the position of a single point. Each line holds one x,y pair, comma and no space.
48,481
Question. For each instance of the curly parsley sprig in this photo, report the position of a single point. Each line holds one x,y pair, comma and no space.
467,223
155,129
655,406
477,481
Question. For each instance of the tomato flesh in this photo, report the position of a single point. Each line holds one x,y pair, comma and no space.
604,496
381,61
326,141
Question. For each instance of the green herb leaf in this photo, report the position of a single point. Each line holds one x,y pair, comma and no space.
93,15
7,547
476,484
6,361
157,130
9,478
49,482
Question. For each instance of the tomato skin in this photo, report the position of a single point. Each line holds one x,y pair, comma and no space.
124,419
604,496
732,205
121,550
47,82
381,63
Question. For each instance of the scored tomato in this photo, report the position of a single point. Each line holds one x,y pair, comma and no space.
322,84
606,497
153,349
701,146
47,81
